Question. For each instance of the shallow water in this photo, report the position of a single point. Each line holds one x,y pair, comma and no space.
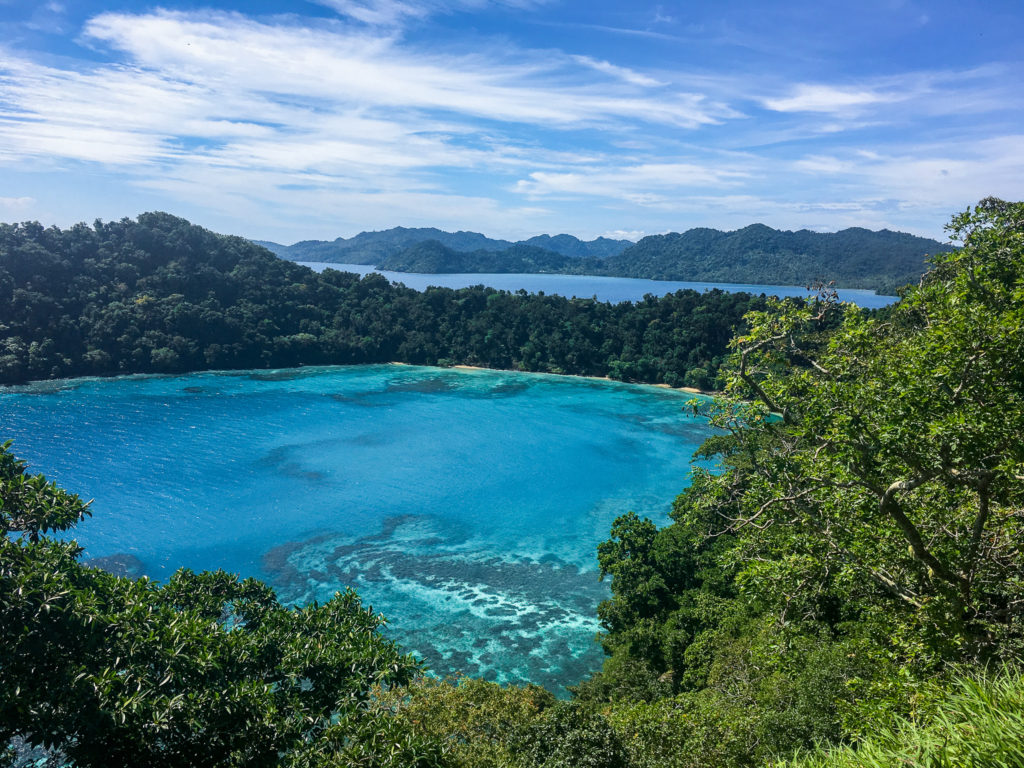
465,505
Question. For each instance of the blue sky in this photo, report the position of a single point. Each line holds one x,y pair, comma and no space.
295,120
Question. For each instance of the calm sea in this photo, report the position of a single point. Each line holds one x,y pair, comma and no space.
613,289
465,505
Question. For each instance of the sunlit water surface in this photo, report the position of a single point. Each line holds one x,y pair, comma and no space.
613,289
465,505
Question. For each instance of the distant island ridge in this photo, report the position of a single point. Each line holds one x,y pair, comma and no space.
856,257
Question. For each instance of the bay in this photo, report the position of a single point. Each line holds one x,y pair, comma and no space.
612,289
465,505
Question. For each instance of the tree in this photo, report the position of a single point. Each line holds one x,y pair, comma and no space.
207,669
860,536
882,462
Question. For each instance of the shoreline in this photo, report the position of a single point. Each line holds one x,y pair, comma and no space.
688,390
56,382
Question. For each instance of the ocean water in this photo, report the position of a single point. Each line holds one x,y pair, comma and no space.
613,289
465,505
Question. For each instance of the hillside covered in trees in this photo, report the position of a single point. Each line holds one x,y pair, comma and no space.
845,589
375,247
158,295
852,258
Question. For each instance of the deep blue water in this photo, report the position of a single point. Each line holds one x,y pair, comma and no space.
613,289
465,505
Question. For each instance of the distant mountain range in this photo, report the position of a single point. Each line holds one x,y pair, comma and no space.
374,247
757,254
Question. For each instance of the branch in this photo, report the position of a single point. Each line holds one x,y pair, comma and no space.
889,506
978,530
736,523
887,583
757,387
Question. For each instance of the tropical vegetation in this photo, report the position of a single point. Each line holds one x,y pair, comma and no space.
757,254
159,295
845,588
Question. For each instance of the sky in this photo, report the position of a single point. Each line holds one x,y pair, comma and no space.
319,119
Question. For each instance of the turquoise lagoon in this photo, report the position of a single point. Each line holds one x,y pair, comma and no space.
465,505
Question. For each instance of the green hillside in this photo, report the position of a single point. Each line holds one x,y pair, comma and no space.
851,258
757,255
375,247
432,257
160,295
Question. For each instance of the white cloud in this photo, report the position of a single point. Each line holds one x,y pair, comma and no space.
826,98
644,184
947,175
905,96
395,12
17,204
342,67
823,164
625,234
621,73
335,121
348,108
385,12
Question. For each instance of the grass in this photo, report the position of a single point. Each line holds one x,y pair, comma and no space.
978,723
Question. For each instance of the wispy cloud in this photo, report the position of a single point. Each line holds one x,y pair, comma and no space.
386,12
395,12
343,67
643,184
940,92
358,121
949,174
825,98
621,73
17,205
290,112
289,97
625,31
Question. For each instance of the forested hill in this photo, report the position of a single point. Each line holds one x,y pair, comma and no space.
375,247
160,295
431,257
852,258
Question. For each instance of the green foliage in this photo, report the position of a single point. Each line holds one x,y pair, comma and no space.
860,535
29,505
158,295
476,721
571,735
400,243
761,690
893,479
978,722
852,258
206,669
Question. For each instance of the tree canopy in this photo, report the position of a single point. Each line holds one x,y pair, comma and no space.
862,533
159,295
